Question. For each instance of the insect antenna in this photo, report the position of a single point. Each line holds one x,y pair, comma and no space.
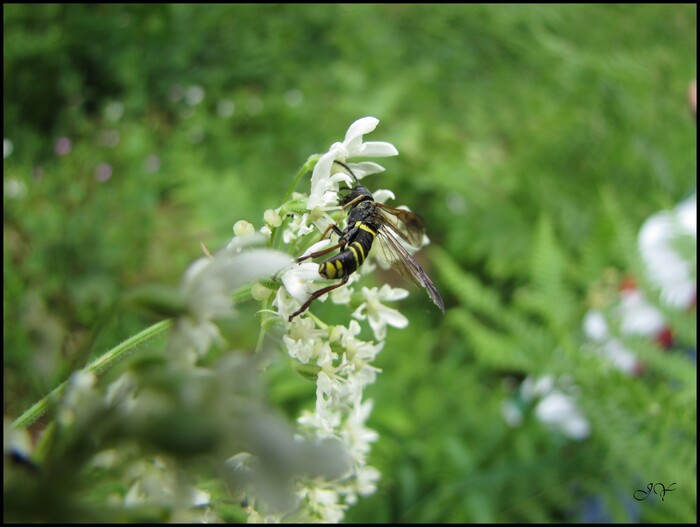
350,172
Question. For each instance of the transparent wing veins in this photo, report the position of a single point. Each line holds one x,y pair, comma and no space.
402,262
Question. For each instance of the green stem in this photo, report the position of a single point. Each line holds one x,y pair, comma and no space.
306,167
97,367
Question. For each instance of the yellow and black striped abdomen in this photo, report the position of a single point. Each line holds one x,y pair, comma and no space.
349,259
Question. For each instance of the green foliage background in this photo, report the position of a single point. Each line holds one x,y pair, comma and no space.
534,141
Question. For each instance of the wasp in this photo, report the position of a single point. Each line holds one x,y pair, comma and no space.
368,222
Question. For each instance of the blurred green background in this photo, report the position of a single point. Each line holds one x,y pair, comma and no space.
534,141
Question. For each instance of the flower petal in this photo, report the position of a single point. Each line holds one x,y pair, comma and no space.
298,280
382,195
378,149
365,168
359,128
393,317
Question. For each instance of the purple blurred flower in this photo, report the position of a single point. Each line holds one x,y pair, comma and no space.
103,172
63,146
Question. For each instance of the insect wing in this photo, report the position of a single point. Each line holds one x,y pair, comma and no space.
402,262
408,225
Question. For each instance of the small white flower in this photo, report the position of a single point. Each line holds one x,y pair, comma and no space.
259,291
378,314
243,228
353,146
325,505
327,176
342,295
303,339
272,218
354,347
559,411
366,482
357,436
556,406
296,228
298,280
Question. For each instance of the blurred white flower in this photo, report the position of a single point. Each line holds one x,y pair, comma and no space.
7,148
512,413
194,95
152,163
110,138
209,283
272,218
637,316
668,269
79,398
559,411
114,111
17,441
293,97
357,436
14,188
634,315
595,327
225,108
555,406
243,228
324,504
155,482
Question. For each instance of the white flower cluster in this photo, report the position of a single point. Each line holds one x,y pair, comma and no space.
339,359
554,406
209,283
670,267
152,481
672,271
311,473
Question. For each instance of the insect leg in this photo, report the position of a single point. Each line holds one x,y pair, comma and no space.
342,242
339,245
333,227
353,202
317,294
